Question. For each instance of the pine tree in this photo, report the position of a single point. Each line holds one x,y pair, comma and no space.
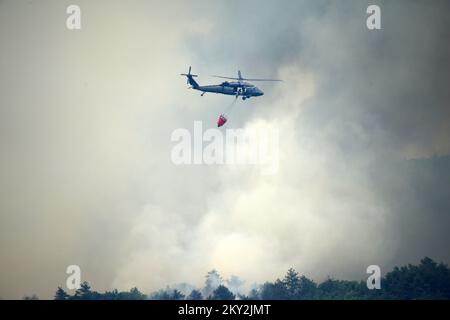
292,283
60,294
84,292
222,293
195,295
177,295
213,280
135,294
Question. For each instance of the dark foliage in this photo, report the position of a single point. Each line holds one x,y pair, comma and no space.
222,293
428,280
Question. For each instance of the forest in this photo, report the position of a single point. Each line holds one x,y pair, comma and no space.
427,280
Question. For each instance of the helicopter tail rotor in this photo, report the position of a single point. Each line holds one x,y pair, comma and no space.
190,78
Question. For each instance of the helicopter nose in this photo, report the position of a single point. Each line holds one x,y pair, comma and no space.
260,92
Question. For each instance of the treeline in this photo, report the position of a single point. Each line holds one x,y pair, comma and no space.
428,280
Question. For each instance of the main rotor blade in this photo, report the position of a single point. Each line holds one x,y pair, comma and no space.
246,79
225,77
262,79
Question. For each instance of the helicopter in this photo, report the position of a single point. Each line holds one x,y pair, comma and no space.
233,88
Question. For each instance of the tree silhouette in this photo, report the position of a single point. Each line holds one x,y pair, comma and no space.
213,280
253,295
60,294
222,293
274,291
428,280
292,283
84,292
332,289
177,295
135,294
195,295
306,289
167,294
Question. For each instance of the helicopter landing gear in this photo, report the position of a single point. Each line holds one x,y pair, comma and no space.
202,94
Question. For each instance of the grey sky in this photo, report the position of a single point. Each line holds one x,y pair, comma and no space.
86,118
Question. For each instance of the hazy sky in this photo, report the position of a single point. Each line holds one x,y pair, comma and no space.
86,119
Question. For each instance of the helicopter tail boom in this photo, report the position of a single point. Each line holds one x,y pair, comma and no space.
190,79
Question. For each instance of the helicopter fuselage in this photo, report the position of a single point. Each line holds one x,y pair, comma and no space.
245,90
233,88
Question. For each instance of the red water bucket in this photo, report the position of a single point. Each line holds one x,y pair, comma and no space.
221,120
